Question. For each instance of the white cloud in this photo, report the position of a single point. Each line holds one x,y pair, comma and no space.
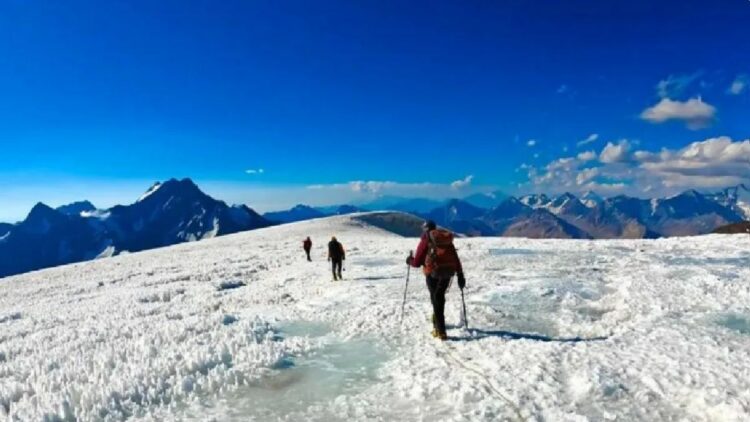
709,164
715,157
463,183
367,190
586,176
587,156
591,138
370,187
739,85
531,142
254,171
696,113
616,153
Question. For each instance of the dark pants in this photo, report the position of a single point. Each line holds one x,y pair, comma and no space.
336,265
437,288
307,252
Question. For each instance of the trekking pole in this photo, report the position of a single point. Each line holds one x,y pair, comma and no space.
406,288
463,302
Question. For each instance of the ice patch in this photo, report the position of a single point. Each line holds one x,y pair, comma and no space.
303,329
555,308
735,322
308,387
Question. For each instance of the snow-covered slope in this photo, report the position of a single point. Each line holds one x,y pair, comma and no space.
241,328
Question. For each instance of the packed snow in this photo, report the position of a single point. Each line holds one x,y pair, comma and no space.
241,328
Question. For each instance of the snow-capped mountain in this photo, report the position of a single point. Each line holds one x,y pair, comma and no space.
535,200
177,211
171,212
591,199
736,198
567,204
48,237
514,218
689,213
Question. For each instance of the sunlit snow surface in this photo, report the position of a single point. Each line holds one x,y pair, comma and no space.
242,328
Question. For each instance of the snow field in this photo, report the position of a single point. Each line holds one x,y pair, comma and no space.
560,331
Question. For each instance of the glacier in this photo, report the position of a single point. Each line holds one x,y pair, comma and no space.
241,327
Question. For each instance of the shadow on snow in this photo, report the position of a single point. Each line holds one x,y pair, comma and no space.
478,334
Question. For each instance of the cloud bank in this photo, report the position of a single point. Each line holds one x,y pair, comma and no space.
619,169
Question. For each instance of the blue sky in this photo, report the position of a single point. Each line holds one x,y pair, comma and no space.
100,99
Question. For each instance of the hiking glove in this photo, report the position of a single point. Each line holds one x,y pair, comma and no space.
461,281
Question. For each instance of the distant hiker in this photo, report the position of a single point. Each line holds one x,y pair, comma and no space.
336,255
438,255
307,246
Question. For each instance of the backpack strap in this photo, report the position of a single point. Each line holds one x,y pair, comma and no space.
431,241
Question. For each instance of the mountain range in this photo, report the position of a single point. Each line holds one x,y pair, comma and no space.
178,211
168,213
589,216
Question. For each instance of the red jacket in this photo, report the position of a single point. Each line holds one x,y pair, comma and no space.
421,255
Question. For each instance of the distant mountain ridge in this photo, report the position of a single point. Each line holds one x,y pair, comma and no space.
689,213
298,213
168,213
303,212
567,216
178,211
